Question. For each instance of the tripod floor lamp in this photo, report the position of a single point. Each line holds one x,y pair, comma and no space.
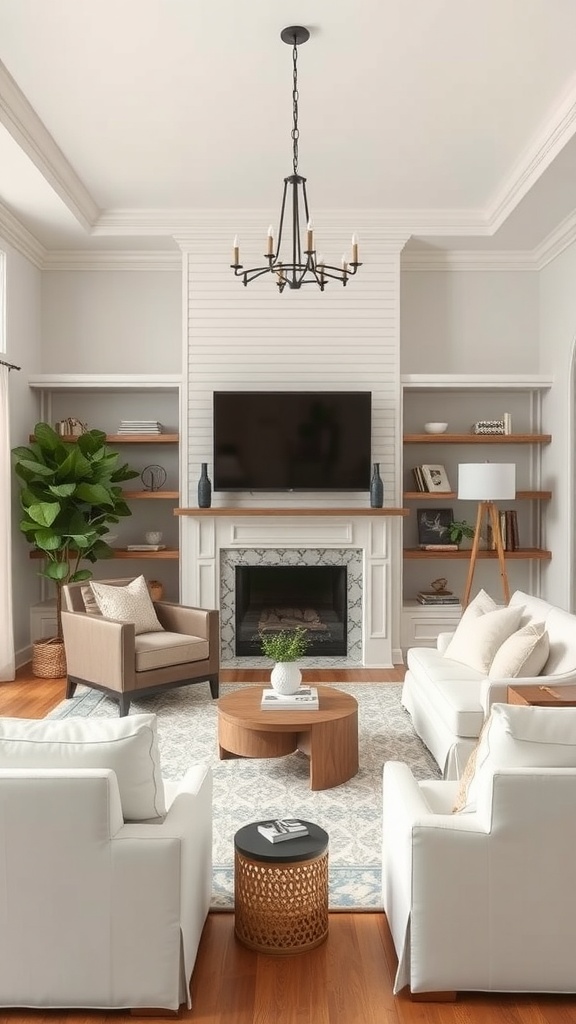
486,483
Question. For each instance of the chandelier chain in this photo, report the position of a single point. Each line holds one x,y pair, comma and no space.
295,131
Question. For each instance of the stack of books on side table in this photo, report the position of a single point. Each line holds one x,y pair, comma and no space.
281,829
305,699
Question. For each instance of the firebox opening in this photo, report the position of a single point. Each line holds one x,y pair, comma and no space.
278,597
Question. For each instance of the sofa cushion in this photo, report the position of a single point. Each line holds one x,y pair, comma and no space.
521,736
128,745
454,689
524,653
560,626
161,649
131,603
477,639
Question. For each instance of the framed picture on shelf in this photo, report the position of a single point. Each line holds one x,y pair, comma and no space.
433,524
436,478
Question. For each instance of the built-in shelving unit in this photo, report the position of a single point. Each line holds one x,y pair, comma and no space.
460,401
102,401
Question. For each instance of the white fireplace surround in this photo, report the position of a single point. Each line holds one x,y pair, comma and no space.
212,544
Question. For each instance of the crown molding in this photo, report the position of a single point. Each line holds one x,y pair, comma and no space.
132,260
16,235
556,242
26,128
538,156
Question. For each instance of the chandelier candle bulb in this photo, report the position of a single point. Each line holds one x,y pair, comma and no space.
310,236
235,251
354,248
270,249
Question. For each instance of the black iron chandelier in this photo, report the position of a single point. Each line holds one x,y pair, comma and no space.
302,265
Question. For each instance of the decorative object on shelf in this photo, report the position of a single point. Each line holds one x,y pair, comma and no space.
489,427
435,428
71,427
486,483
69,495
376,488
153,477
458,530
153,536
156,589
435,478
507,417
140,427
300,265
204,487
433,526
285,647
439,585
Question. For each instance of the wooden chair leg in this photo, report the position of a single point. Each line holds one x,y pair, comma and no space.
70,687
123,705
214,685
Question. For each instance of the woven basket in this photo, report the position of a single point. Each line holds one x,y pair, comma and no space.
49,658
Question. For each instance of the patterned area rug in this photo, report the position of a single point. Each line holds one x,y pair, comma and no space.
247,790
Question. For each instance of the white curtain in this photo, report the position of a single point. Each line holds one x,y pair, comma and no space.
7,667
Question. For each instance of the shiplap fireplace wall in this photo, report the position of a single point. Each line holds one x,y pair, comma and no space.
252,338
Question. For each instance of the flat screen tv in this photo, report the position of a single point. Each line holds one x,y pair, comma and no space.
292,440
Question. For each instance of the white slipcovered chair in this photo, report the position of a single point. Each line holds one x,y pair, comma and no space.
98,911
482,899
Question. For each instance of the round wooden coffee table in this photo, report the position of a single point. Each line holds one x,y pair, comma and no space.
329,736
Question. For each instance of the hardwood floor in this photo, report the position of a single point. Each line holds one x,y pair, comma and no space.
348,980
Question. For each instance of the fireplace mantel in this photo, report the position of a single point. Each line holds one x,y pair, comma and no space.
224,511
214,538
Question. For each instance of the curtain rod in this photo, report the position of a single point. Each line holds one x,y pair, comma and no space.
11,366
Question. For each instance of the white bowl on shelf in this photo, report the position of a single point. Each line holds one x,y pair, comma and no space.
435,428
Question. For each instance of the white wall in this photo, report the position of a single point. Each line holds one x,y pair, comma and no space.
456,320
111,321
23,287
558,336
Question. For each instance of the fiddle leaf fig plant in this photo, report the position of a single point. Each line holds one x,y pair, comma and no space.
69,494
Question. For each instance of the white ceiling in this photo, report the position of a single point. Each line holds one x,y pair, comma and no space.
453,118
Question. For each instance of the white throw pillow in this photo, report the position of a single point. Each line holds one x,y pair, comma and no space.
128,745
523,654
131,603
476,640
521,736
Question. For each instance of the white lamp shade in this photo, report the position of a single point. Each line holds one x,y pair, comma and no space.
487,481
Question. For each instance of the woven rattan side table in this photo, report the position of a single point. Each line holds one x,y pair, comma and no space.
281,891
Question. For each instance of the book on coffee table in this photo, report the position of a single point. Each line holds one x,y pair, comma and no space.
305,699
281,829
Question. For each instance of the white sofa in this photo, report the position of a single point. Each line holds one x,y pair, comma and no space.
448,701
96,911
480,900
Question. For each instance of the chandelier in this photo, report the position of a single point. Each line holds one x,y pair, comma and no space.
300,265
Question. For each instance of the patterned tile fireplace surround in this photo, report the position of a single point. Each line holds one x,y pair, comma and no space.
215,541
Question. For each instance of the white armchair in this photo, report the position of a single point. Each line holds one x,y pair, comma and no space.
482,900
96,913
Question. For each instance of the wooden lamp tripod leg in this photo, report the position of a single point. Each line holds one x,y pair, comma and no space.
495,522
482,507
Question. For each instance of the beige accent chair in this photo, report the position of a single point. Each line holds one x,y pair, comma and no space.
107,655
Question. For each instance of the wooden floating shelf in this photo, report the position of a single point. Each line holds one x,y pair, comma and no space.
477,438
533,554
231,512
126,438
122,553
449,495
152,495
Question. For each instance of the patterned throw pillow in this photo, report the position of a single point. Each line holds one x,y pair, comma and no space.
128,604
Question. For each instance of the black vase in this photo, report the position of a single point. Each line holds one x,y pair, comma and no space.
376,488
204,488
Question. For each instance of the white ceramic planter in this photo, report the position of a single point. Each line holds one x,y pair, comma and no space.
285,677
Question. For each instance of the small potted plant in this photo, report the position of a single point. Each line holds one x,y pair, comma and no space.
458,530
285,647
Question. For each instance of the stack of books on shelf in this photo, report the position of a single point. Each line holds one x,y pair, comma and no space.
140,427
281,829
305,699
433,597
145,547
508,531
